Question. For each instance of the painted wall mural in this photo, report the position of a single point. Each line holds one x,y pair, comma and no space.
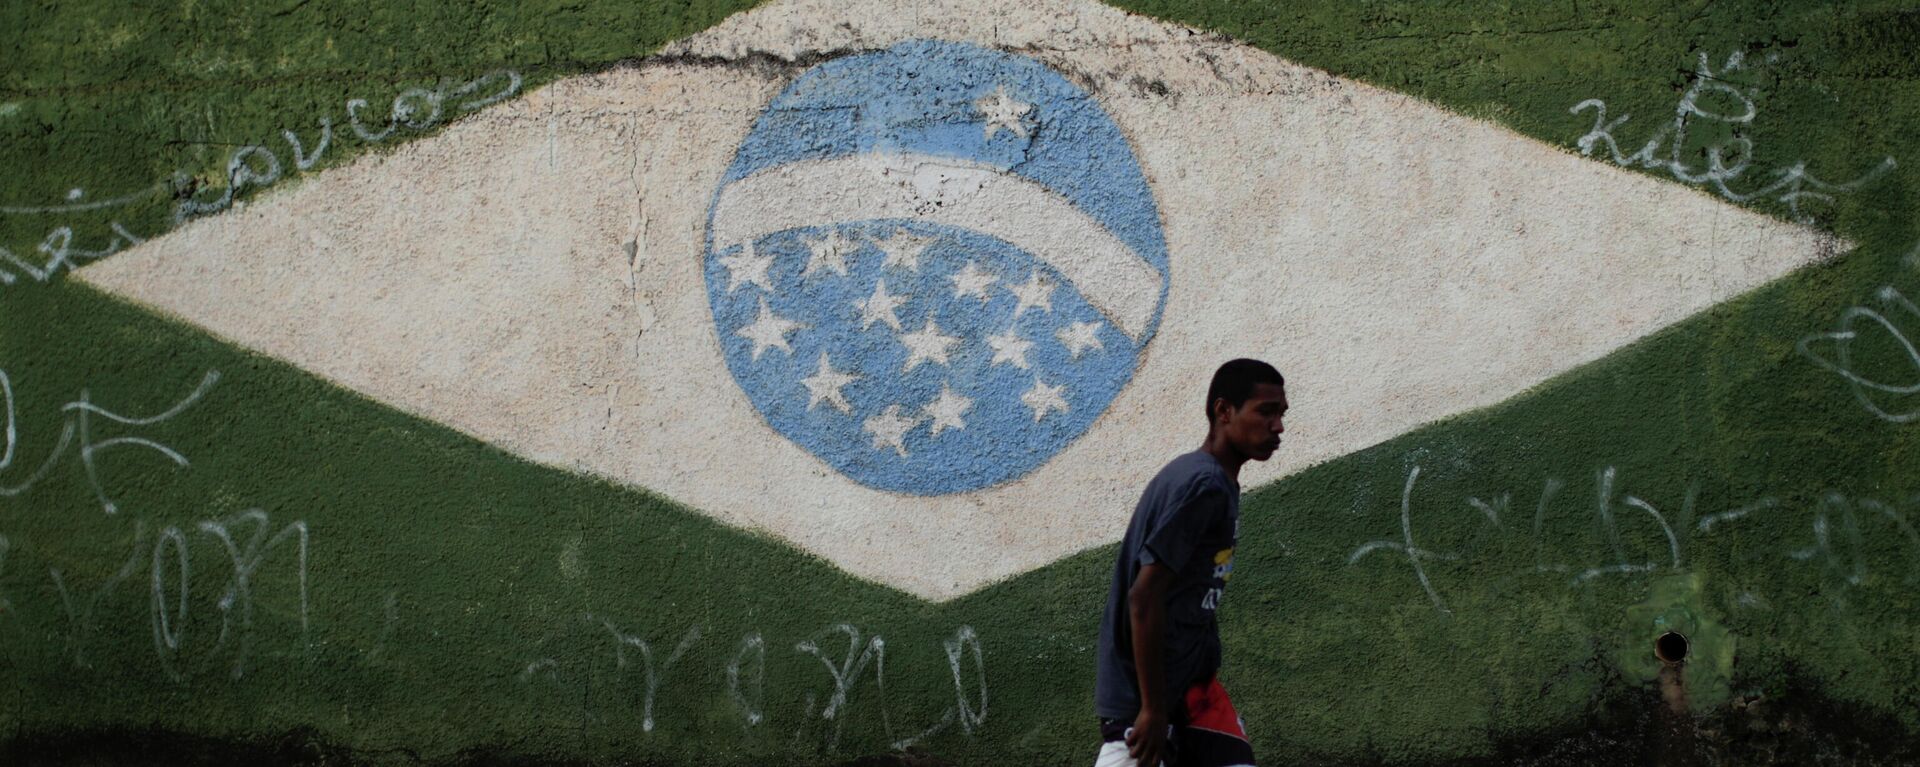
767,383
793,247
934,239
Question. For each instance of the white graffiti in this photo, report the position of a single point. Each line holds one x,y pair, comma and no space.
59,253
1405,544
753,707
252,166
549,666
848,671
416,109
1837,542
1604,508
168,628
246,560
157,190
1726,160
1873,394
80,419
1838,511
746,673
170,594
623,640
971,715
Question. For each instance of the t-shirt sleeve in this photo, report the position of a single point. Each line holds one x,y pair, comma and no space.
1174,539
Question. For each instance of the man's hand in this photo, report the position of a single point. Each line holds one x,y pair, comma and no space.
1147,614
1147,741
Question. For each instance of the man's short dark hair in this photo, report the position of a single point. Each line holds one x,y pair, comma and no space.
1235,380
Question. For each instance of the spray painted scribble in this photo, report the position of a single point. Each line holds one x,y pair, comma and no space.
166,561
250,166
1836,526
80,421
1894,402
1726,160
851,661
911,272
416,109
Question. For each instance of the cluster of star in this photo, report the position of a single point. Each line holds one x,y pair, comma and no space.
925,343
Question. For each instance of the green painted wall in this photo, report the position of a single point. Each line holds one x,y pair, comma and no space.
455,604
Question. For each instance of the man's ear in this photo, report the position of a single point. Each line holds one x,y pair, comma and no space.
1218,409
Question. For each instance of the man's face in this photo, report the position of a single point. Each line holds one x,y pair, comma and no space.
1253,429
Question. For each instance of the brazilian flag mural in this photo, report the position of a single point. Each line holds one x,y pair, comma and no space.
732,383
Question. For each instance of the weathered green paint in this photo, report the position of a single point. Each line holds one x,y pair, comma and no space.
1678,605
443,574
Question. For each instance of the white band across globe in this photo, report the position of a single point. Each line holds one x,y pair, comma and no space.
954,192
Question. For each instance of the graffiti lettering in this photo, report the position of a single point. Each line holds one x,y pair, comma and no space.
253,165
1610,527
415,109
1405,544
60,254
167,629
1836,517
622,641
170,595
1877,396
170,590
848,672
970,715
246,559
753,706
1838,534
80,420
1726,160
746,673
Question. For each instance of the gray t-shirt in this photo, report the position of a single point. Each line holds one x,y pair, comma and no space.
1188,519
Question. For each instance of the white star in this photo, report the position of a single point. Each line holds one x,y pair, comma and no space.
1043,398
947,409
903,250
971,280
747,267
880,306
828,252
825,384
768,331
890,430
1009,347
1002,111
1079,336
1036,293
927,344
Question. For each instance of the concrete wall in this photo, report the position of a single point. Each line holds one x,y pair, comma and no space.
777,394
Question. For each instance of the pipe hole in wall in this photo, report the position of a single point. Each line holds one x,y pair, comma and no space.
1671,647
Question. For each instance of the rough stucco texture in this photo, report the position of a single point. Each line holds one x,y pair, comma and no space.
462,384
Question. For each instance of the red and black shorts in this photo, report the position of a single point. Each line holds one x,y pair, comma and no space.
1206,732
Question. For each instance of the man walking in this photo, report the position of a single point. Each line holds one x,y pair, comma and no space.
1156,694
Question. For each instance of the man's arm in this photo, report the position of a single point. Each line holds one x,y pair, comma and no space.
1147,620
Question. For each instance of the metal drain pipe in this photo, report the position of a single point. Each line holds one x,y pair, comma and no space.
1677,735
1671,648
